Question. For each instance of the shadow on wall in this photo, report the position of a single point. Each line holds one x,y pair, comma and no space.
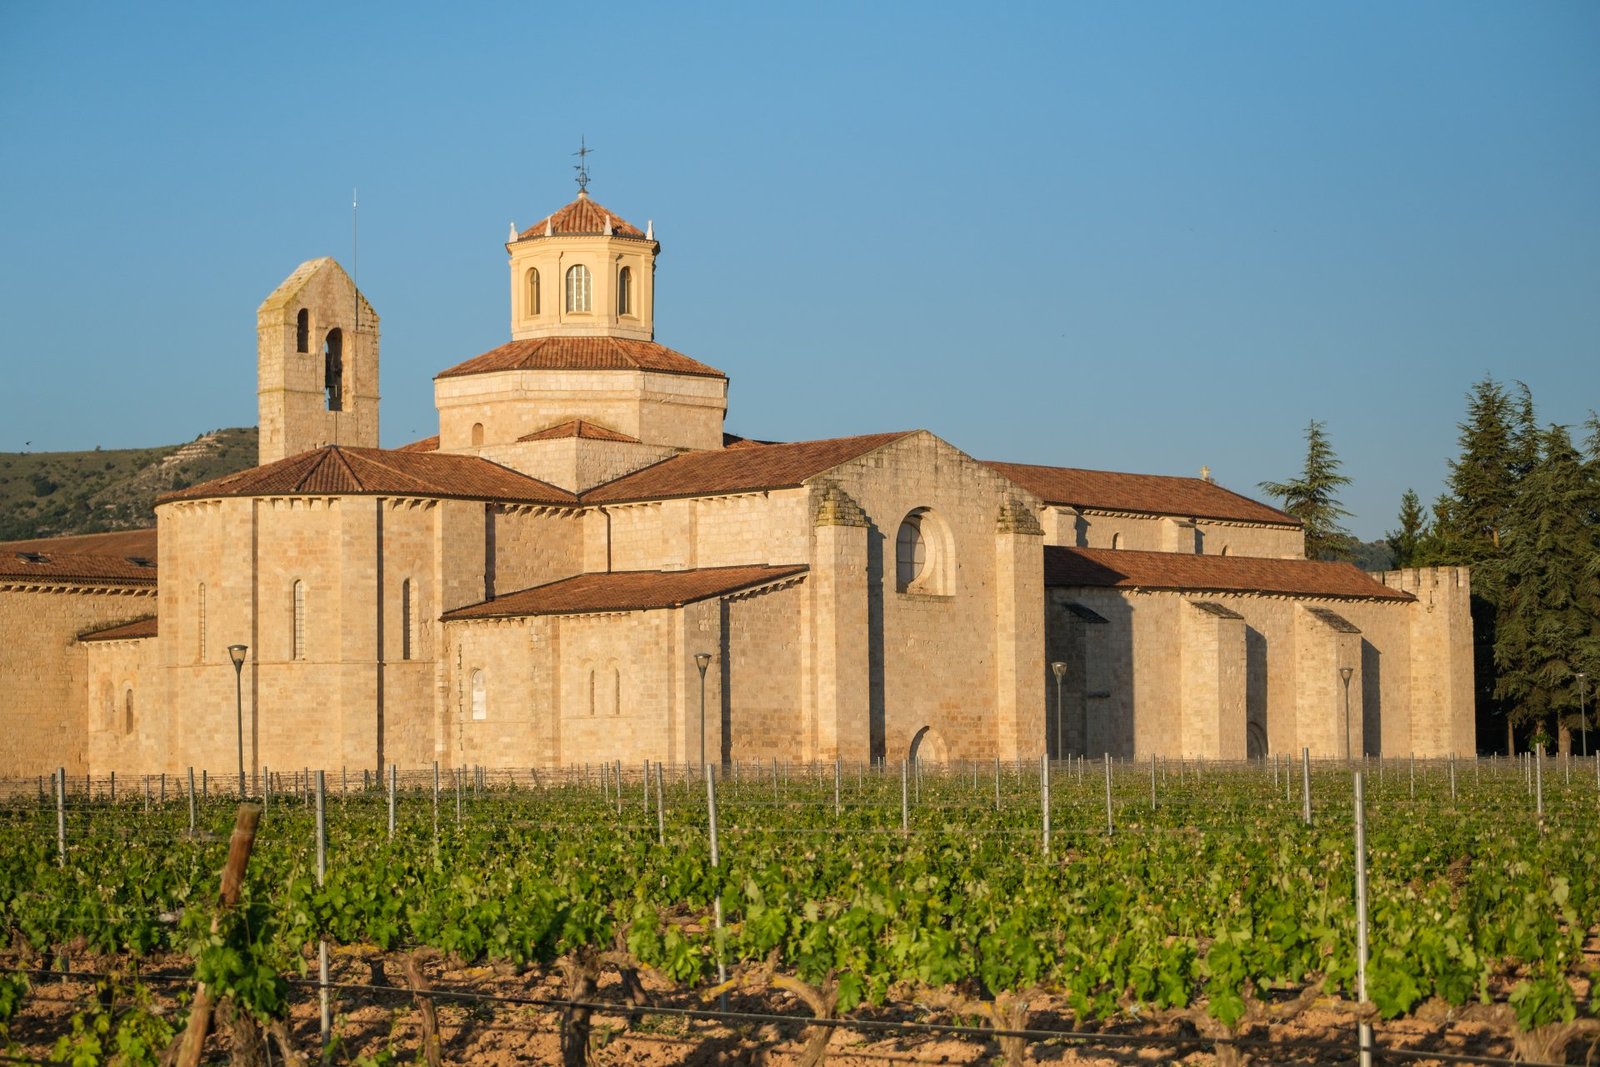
1371,699
875,689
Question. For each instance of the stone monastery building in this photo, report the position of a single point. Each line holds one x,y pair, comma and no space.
534,586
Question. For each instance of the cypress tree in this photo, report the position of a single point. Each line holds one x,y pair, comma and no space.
1549,610
1311,498
1406,543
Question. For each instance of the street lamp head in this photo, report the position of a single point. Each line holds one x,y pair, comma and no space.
236,653
702,660
1060,669
1345,673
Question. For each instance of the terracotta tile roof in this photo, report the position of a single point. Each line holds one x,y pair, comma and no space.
582,353
737,470
582,216
1125,569
625,591
733,440
128,631
334,470
76,568
589,431
140,543
427,444
1156,494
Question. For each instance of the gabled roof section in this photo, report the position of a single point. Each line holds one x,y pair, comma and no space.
288,291
1153,494
1124,569
338,471
582,353
579,428
139,543
128,631
738,470
626,591
427,444
581,217
29,566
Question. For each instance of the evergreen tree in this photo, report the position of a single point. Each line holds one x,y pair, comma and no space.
1549,610
1406,543
1311,498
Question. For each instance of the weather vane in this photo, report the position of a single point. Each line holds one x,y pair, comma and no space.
582,166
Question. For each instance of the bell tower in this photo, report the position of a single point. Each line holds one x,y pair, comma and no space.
583,272
316,363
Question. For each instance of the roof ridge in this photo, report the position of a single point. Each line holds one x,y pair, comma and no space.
335,452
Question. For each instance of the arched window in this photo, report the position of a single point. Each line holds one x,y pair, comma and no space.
1224,551
910,551
591,692
924,555
480,699
405,619
200,622
1116,540
616,690
578,288
624,291
302,331
297,646
477,435
127,709
333,370
532,296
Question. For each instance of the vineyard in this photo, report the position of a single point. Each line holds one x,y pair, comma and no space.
1076,913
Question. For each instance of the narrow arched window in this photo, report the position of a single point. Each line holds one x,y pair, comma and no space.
910,551
1116,540
532,296
200,622
616,690
405,619
477,435
578,288
302,331
624,291
480,697
297,646
333,369
591,692
127,710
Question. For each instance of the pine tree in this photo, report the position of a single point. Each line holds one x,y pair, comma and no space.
1406,543
1311,498
1549,611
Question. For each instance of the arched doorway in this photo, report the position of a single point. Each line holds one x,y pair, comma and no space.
1255,741
928,745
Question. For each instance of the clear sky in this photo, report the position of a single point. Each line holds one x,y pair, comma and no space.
1135,236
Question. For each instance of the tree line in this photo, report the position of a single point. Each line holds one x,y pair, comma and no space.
1521,508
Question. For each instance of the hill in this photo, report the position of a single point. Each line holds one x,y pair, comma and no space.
51,494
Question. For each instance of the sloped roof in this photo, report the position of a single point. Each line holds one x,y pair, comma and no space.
427,444
737,470
582,216
1126,569
335,469
140,543
625,591
1156,494
589,431
582,353
76,568
128,631
290,287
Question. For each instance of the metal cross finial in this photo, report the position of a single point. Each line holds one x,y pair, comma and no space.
582,166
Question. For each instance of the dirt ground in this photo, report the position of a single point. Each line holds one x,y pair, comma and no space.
504,1034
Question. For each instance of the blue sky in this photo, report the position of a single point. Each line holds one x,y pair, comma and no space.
1139,237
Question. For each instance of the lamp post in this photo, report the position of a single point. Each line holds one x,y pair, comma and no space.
1583,714
236,653
702,660
1060,670
1344,676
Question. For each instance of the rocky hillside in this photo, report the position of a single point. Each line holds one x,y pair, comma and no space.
49,494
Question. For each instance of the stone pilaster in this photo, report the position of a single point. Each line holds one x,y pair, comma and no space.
838,586
1019,632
